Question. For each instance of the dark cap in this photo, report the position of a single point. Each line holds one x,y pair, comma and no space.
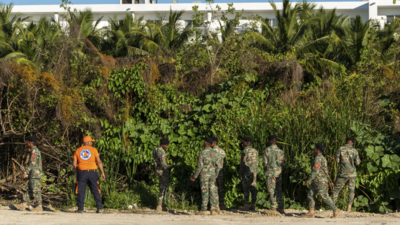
164,141
248,139
320,146
215,139
350,139
31,139
272,137
208,140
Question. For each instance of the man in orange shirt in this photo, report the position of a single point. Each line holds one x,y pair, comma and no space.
86,160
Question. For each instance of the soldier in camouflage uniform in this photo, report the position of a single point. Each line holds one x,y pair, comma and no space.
34,173
319,183
347,158
273,161
207,167
248,174
220,177
162,170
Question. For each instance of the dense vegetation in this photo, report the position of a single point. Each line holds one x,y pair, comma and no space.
315,76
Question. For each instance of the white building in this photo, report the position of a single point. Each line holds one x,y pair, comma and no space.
381,10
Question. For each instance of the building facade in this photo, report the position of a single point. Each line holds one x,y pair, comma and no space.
380,10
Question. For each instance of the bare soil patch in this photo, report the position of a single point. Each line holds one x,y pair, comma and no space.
176,217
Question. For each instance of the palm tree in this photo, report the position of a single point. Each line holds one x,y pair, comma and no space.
126,37
288,35
356,38
388,36
294,35
39,39
10,42
174,35
83,26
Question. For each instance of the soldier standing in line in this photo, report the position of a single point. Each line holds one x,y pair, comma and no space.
162,170
273,161
34,173
319,183
220,178
248,174
347,158
207,168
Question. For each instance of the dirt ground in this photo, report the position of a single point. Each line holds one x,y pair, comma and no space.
173,217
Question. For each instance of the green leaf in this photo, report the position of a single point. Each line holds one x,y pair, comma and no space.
371,168
370,150
207,108
385,160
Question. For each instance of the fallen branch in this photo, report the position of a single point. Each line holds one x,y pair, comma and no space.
10,176
22,168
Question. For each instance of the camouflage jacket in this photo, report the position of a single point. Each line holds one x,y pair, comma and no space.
319,172
160,160
273,161
222,160
34,169
208,163
347,158
249,161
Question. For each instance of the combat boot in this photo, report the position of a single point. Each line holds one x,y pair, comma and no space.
281,211
245,207
21,206
213,213
218,210
349,207
38,208
336,213
201,213
253,207
159,208
310,214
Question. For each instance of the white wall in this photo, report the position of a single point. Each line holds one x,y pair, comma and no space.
149,11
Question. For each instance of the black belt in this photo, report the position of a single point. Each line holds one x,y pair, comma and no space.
89,170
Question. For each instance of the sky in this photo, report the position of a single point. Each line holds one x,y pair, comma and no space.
58,2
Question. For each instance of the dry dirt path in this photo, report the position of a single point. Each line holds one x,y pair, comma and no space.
150,217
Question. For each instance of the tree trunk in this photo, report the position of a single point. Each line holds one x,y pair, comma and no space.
13,174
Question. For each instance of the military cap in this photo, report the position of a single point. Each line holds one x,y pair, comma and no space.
272,137
31,139
164,141
320,146
248,139
215,139
209,140
350,139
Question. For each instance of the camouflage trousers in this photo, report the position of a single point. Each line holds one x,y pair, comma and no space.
163,182
33,188
249,182
221,190
340,182
321,189
274,185
209,192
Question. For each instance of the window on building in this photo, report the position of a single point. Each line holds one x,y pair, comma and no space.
158,22
189,22
390,18
273,22
241,28
126,1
